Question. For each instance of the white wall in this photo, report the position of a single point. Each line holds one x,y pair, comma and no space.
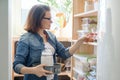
115,4
108,61
4,40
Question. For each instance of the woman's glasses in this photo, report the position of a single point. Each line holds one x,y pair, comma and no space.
47,18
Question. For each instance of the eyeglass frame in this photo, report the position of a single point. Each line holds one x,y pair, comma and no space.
47,18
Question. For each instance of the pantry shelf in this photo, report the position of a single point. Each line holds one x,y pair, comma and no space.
85,20
87,14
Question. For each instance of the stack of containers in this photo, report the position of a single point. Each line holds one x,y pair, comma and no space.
81,64
85,68
92,73
81,67
89,24
95,4
78,76
90,5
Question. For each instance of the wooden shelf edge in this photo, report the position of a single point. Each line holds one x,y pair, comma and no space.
86,14
60,74
65,73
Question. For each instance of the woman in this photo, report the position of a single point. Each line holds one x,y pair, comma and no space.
36,43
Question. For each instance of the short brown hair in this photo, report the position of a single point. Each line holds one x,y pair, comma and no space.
36,14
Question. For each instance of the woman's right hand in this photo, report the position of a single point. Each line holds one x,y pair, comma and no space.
40,71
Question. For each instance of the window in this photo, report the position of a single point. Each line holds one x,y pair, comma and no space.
61,16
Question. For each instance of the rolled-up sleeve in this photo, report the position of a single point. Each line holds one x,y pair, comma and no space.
20,56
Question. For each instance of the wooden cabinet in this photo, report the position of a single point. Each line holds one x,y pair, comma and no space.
85,20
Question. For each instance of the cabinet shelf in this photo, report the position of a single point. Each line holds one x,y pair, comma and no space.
87,50
65,73
60,74
87,14
89,43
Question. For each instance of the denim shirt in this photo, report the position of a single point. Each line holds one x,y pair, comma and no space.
29,49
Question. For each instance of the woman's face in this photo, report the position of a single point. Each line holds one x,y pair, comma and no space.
46,21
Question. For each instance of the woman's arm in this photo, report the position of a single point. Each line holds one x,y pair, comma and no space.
37,70
76,45
19,64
